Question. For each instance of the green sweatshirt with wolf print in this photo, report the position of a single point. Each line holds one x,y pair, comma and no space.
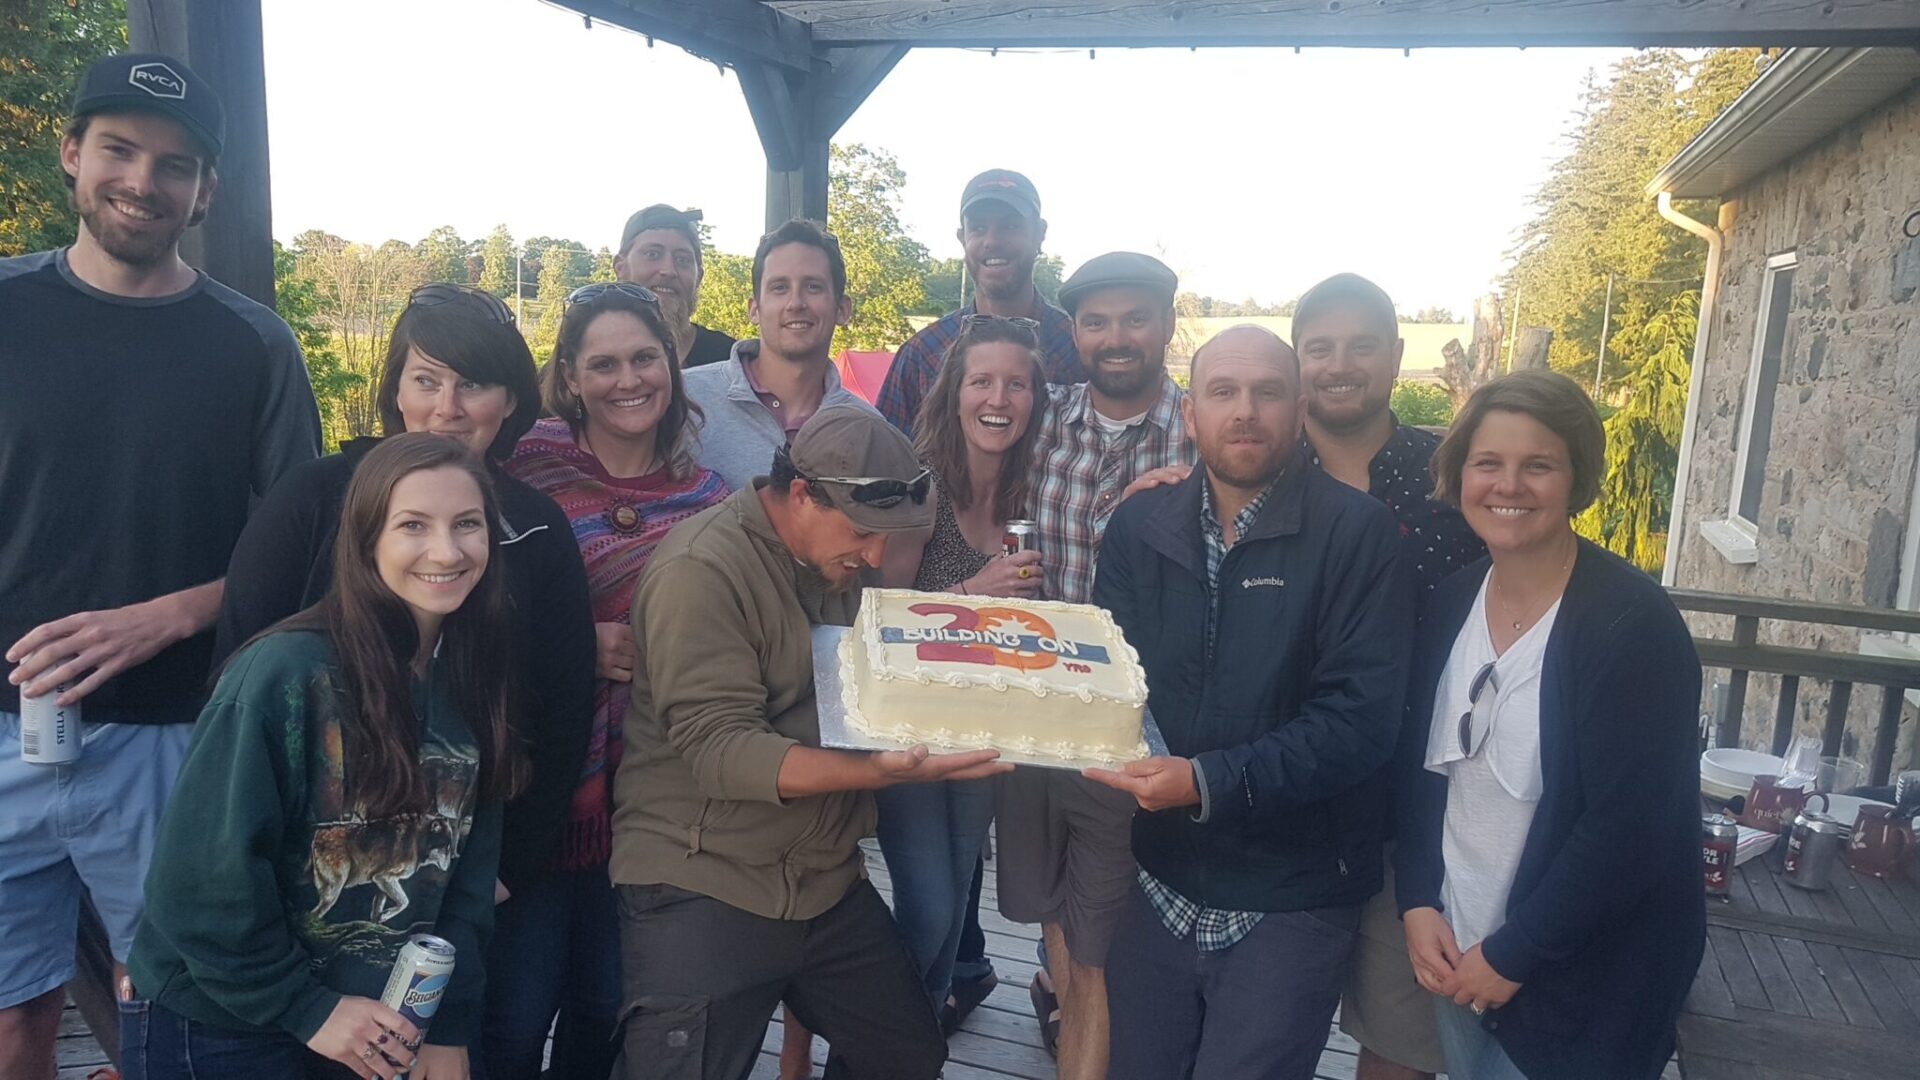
270,898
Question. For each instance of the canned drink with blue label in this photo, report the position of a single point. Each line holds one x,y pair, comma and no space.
49,731
419,979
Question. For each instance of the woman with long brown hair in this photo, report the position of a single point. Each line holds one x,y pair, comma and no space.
343,793
976,432
617,457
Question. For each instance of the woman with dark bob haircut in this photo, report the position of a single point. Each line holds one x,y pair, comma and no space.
618,456
1548,865
458,367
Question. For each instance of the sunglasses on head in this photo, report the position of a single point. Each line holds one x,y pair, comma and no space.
586,294
1482,680
1012,320
443,292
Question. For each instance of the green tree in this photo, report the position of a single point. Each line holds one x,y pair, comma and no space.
1643,438
1434,314
44,47
564,266
602,266
497,257
443,255
724,293
885,266
1593,222
298,302
1422,404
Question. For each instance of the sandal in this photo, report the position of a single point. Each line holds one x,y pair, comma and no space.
966,996
1046,1009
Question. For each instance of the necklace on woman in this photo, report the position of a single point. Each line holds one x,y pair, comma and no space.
1506,612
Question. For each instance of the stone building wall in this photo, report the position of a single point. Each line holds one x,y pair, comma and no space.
1846,426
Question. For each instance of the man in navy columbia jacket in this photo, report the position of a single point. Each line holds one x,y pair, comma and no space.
1270,611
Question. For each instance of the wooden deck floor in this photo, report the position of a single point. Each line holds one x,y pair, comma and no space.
1000,1040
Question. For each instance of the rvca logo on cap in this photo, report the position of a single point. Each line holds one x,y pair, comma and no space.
159,80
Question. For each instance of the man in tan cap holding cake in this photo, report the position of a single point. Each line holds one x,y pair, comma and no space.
736,835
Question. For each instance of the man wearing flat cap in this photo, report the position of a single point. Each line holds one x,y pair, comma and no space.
143,408
736,835
660,248
1065,852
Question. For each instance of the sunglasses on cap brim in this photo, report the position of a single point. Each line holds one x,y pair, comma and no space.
879,492
438,293
586,294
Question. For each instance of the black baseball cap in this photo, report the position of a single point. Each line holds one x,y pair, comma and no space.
1119,268
661,216
1001,186
152,82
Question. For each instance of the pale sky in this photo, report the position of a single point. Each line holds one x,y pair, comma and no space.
1252,172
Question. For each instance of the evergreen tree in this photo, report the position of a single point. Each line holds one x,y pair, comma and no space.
1643,438
443,255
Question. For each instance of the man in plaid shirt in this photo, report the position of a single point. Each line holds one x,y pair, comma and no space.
1065,852
1001,231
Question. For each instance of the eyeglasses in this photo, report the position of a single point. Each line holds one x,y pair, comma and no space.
1481,681
586,294
1013,320
444,292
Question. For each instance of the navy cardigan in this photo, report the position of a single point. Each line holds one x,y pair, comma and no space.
1606,921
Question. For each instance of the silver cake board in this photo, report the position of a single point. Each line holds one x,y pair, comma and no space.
837,733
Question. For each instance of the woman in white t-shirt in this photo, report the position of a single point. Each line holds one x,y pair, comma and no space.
1548,863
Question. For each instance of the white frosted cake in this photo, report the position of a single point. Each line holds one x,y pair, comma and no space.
1037,678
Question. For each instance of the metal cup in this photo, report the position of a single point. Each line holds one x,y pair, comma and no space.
1814,847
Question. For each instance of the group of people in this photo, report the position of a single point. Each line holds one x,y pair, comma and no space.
533,674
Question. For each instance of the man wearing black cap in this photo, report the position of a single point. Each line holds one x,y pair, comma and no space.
1000,232
660,248
736,835
143,406
1065,847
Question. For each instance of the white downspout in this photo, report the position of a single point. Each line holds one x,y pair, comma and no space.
1709,292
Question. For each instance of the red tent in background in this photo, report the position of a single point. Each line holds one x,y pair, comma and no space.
864,372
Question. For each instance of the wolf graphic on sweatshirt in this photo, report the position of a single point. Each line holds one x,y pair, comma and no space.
271,896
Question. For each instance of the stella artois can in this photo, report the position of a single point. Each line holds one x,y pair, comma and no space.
49,731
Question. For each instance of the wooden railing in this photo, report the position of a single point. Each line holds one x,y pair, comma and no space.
1744,654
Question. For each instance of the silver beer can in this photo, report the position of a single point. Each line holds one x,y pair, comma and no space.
1018,535
49,731
419,980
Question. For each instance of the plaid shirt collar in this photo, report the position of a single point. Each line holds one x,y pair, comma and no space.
1076,405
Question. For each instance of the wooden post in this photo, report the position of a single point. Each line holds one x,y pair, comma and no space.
796,115
220,40
1531,348
1746,631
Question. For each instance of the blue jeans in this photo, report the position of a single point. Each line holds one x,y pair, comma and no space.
931,835
1472,1051
159,1044
555,949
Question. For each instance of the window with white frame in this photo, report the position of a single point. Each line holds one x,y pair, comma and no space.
1763,380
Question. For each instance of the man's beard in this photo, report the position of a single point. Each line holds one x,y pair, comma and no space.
1246,475
677,310
1131,383
124,245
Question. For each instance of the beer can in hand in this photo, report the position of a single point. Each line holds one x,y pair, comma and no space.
1020,535
419,979
49,731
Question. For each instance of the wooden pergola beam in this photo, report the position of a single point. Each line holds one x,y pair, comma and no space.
730,31
1387,23
797,116
221,41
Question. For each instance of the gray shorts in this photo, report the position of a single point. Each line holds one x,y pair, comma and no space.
1384,1007
1065,856
86,826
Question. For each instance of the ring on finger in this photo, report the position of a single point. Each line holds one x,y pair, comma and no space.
1479,1009
1025,573
367,1054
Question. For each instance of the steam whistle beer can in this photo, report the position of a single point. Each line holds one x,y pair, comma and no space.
1721,839
1020,535
49,731
419,979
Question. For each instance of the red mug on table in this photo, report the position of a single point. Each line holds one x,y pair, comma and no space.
1881,840
1769,803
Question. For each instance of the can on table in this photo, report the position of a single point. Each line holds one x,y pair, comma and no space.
1018,535
419,979
49,731
1722,836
